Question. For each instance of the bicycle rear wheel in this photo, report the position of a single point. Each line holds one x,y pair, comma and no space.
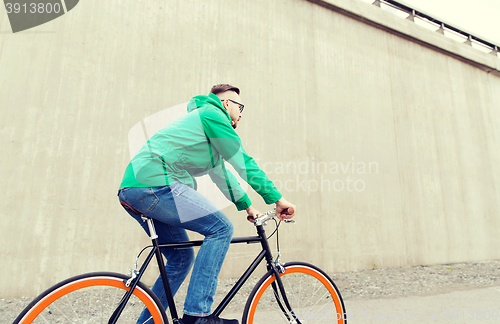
92,298
312,295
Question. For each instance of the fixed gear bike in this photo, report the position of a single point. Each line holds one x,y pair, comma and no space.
294,292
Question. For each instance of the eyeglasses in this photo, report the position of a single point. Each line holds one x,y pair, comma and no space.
240,105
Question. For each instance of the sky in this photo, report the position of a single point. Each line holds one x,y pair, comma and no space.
478,17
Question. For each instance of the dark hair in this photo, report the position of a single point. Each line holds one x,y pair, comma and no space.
220,88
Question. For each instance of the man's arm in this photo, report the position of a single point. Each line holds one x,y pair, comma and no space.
225,140
229,186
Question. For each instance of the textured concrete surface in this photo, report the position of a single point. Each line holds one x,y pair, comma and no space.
387,143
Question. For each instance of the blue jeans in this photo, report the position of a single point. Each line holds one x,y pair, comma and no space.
174,209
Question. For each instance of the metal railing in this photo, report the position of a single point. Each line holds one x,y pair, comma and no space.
440,24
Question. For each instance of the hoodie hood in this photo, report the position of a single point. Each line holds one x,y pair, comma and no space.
204,101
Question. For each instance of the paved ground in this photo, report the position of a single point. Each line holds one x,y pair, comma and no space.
466,306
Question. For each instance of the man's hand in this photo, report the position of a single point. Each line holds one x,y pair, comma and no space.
284,209
252,213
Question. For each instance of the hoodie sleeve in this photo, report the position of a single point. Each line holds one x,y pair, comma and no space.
225,140
229,186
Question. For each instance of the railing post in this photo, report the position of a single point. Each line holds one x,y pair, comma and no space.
411,17
495,51
441,29
468,41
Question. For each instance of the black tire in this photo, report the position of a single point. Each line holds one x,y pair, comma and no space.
313,296
91,298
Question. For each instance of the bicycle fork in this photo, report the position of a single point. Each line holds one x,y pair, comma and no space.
277,285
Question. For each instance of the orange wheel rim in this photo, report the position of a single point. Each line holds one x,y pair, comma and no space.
84,283
301,269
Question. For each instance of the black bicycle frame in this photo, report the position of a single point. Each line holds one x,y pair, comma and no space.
156,251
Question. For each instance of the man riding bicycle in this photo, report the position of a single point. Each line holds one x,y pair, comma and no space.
159,182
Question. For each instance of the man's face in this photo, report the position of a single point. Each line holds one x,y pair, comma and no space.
228,99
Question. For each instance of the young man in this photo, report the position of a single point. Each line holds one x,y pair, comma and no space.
159,182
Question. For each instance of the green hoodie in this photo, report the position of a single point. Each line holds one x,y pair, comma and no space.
197,144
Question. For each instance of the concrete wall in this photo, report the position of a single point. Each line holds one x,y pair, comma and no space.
383,133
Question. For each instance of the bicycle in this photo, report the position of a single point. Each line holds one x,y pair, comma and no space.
294,292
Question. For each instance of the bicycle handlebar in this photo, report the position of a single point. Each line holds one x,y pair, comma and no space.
261,220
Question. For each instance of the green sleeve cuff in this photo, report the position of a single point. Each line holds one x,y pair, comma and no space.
243,203
272,197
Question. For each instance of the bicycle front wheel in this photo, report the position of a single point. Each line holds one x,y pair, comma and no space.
92,298
312,295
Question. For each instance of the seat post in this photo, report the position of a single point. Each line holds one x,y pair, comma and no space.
151,226
161,266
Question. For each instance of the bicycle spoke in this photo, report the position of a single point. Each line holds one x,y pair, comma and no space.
324,305
314,293
319,300
74,312
45,320
57,307
147,321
